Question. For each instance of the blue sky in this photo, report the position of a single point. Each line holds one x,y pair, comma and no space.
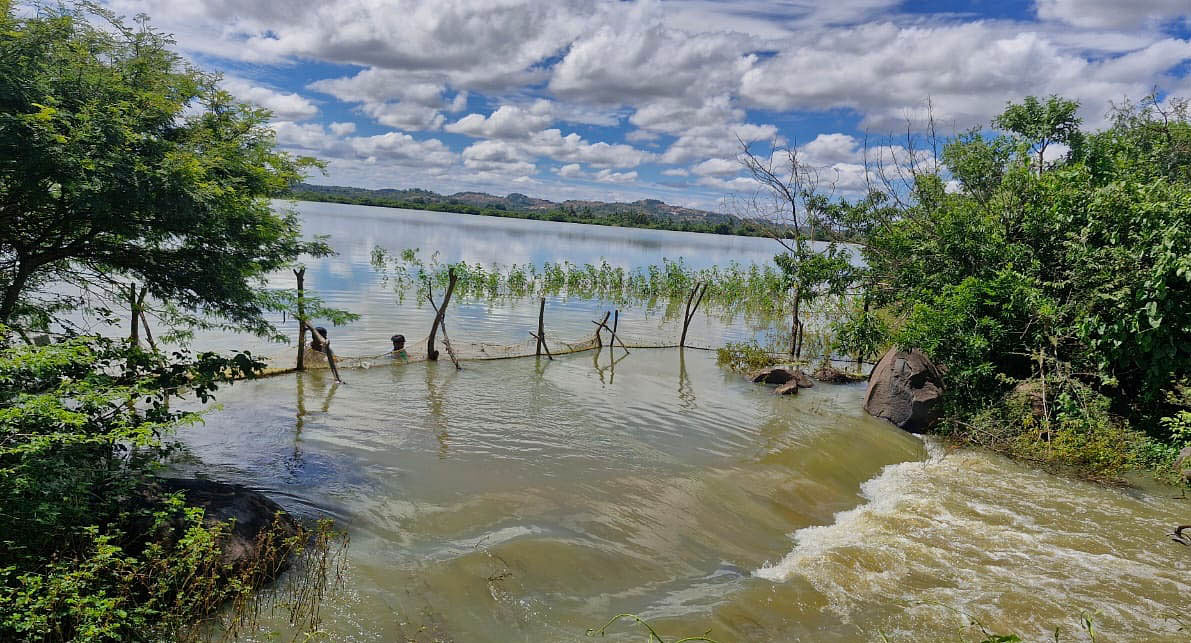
568,99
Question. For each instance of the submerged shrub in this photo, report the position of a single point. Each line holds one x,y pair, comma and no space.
743,357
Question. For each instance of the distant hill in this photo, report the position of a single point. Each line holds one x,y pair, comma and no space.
646,213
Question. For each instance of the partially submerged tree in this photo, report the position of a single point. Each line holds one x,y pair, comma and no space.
119,164
795,206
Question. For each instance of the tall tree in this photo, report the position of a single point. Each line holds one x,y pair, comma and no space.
120,162
1042,124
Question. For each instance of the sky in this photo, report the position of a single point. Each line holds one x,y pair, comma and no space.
624,100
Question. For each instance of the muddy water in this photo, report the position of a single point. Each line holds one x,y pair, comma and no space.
526,500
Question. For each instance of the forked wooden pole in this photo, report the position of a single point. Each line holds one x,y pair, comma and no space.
432,354
612,331
701,289
445,340
599,338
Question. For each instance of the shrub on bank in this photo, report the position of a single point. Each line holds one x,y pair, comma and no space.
90,550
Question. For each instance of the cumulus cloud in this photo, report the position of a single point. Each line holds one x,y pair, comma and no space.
717,167
886,72
1112,13
570,171
576,84
608,176
284,105
396,148
507,122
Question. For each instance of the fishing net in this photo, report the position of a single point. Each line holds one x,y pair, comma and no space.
465,350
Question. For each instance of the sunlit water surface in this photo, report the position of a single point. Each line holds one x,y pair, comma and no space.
530,499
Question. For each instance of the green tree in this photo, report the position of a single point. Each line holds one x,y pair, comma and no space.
121,163
1077,277
1042,124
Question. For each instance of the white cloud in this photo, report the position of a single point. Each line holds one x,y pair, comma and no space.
570,171
573,148
969,71
684,77
507,122
676,171
396,148
1112,13
342,129
284,105
716,167
608,176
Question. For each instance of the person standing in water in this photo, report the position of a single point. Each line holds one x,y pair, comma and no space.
399,348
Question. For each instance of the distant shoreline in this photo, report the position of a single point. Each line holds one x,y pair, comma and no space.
624,219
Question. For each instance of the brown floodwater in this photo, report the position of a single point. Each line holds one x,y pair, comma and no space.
530,500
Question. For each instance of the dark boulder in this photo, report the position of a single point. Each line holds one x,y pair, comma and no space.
772,375
782,375
905,388
259,527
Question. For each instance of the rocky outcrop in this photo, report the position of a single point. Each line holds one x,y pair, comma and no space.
258,528
1029,393
905,388
782,375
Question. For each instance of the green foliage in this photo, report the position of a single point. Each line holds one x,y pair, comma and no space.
753,289
119,162
744,357
1040,124
863,334
1178,424
90,551
1077,274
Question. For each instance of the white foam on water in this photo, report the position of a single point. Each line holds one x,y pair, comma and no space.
882,494
1016,547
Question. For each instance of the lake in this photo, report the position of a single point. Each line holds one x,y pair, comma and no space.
531,499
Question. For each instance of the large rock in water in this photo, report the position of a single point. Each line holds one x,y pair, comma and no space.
906,389
255,519
782,375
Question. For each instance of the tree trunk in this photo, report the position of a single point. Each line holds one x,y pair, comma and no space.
134,336
795,325
300,274
12,294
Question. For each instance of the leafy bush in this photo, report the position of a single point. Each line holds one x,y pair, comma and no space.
90,551
743,357
1076,270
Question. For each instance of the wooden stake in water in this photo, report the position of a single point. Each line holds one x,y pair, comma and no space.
300,275
600,327
541,334
701,289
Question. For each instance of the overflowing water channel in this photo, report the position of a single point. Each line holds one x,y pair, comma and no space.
530,499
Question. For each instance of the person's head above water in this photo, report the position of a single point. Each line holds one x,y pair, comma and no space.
316,339
398,342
